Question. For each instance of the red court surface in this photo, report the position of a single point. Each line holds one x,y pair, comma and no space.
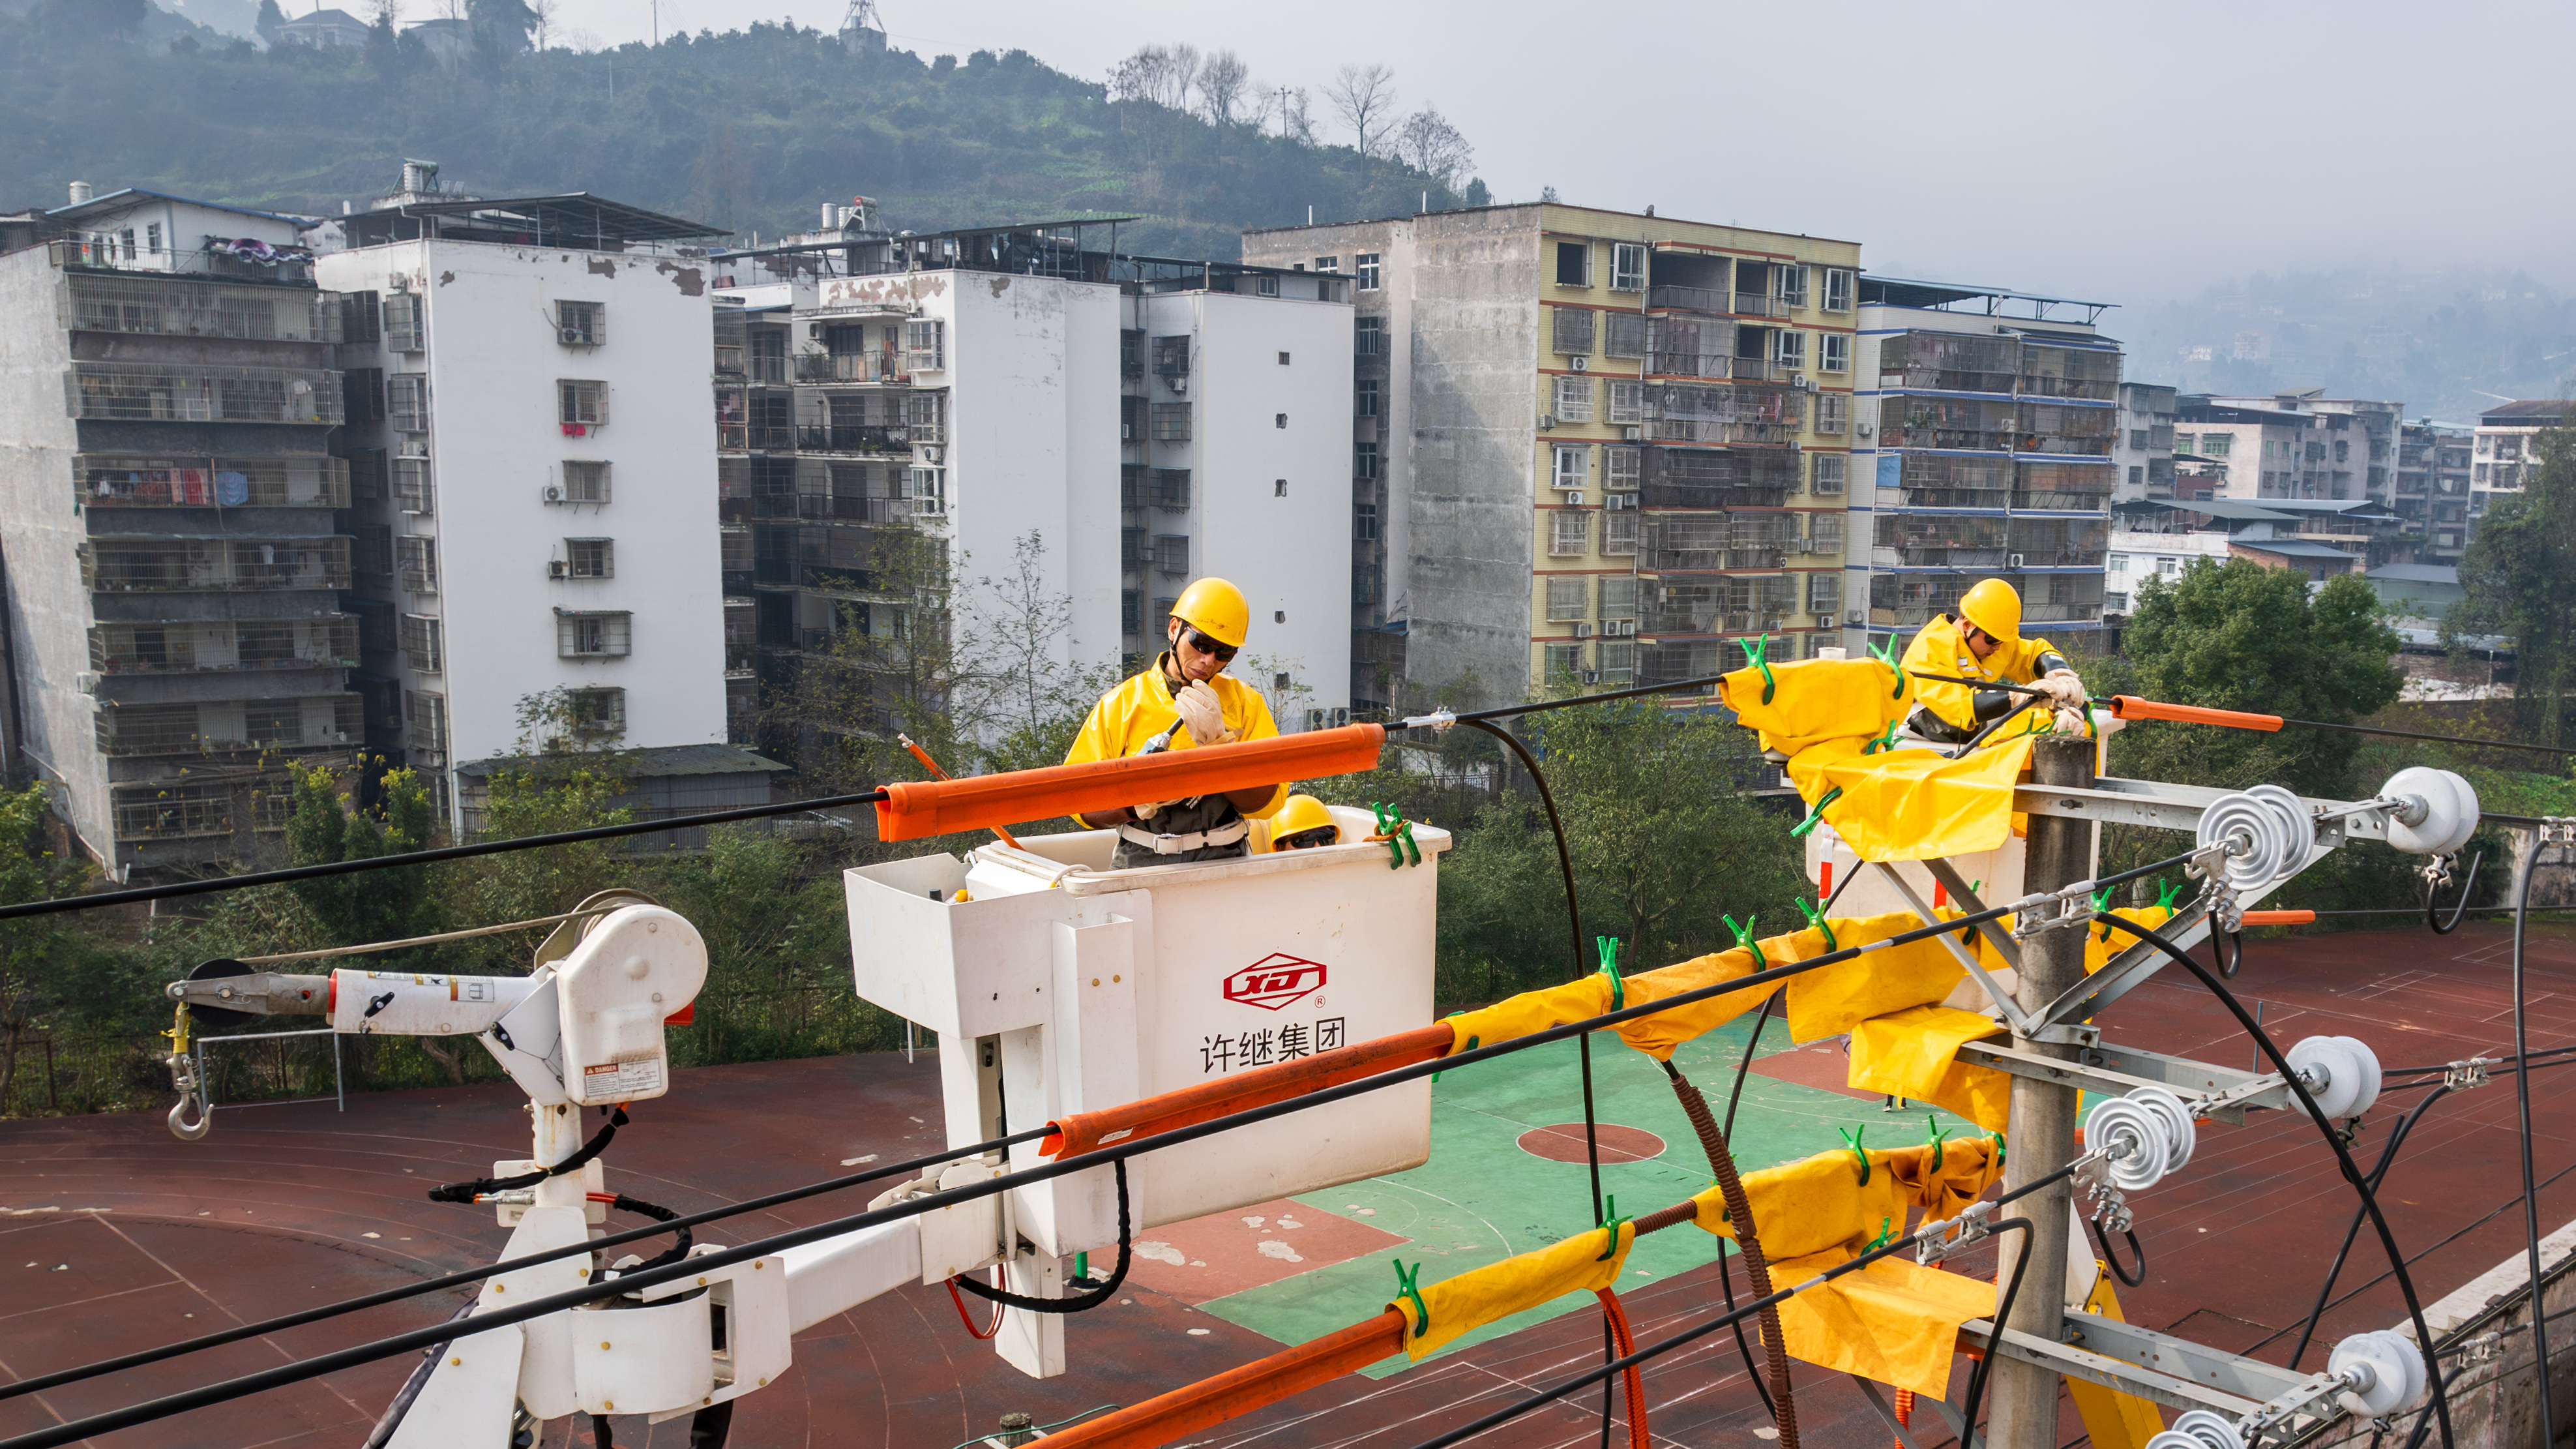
113,1234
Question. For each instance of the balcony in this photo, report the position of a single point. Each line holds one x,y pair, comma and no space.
847,438
196,812
844,508
1690,364
765,368
195,306
227,726
104,480
1713,300
1944,379
1755,304
156,564
1937,541
190,646
283,267
197,393
828,368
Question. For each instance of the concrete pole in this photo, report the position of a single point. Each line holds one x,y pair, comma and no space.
2041,1136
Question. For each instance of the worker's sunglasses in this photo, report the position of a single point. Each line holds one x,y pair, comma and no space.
1207,644
1309,839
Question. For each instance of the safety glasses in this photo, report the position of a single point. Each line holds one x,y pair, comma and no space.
1208,644
1308,839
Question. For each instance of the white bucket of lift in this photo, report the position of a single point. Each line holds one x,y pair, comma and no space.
1061,986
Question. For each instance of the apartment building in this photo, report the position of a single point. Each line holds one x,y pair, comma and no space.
1148,420
2142,447
533,471
2233,451
174,559
1988,420
2504,449
2355,455
2432,491
1587,447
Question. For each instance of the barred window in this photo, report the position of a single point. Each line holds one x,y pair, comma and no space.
1627,402
420,642
1825,533
1619,534
1574,331
581,324
1824,593
1618,661
414,491
1622,468
925,345
591,558
1172,553
1573,465
1563,660
597,714
403,321
1171,422
1623,335
1833,413
407,402
1565,599
585,482
1826,474
1618,596
425,721
581,403
416,561
1568,532
1573,399
604,634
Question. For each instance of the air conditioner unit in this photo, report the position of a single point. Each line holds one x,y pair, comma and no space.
1546,421
1579,363
1574,498
931,454
86,681
1861,430
1341,716
573,336
1582,631
1616,501
1619,628
1315,719
558,569
2012,560
554,493
1800,381
1632,433
1591,676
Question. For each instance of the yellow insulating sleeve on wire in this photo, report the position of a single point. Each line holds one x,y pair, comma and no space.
1969,1165
1914,804
1914,1054
1535,1011
2097,951
1809,1206
1894,1322
1659,1034
1833,999
1498,1290
1816,700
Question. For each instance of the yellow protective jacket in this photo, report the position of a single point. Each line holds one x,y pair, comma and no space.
1953,708
1133,714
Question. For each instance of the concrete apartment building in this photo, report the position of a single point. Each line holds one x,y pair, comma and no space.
1986,425
533,469
1149,420
2503,450
1586,445
173,557
2355,455
2432,490
2142,450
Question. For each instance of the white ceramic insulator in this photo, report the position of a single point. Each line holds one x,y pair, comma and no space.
2342,1074
2199,1429
2382,1368
2449,810
2263,844
2139,1132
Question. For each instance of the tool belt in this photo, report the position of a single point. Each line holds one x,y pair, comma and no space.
1226,834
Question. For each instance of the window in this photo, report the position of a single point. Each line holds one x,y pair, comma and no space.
1563,660
416,562
424,722
601,635
1370,340
1574,264
1789,348
402,320
420,642
1573,466
362,395
1279,489
2168,565
1265,285
925,417
1838,289
1833,413
126,239
1171,422
1793,285
2114,603
1170,490
1618,596
1618,662
2186,442
1172,356
1574,331
1574,399
1172,554
1824,593
1568,531
1622,468
1364,462
152,238
1364,522
1565,599
1283,357
585,482
581,324
1328,264
1833,352
925,345
590,558
1627,267
1365,266
1368,397
2215,445
582,404
2138,439
1627,402
1827,473
928,490
2117,563
1623,335
1619,534
407,402
596,714
359,318
414,492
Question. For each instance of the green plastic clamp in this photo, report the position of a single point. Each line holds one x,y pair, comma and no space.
1816,816
2165,893
1471,1041
1082,1267
1886,654
1886,741
1753,657
1744,938
1608,946
1816,917
1399,835
1886,1230
1610,1221
1932,1127
2102,904
1851,1140
1409,1285
1999,1146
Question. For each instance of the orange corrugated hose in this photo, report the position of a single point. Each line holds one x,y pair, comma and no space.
1904,1411
1633,1383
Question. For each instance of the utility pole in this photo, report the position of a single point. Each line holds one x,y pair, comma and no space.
2041,1138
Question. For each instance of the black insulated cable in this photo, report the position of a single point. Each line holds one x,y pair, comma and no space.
2433,897
1098,1293
2135,1278
467,1192
2378,1174
2522,1104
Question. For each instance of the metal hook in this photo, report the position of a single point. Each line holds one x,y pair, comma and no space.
2435,877
183,1071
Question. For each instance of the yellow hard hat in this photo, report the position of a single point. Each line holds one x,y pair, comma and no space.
1297,815
1217,609
1993,607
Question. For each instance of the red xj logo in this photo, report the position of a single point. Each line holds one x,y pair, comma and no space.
1274,981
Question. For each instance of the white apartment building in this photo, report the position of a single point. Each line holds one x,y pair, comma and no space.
1149,421
2352,453
2142,451
533,469
2503,450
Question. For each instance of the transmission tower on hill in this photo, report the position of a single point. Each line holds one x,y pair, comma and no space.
861,28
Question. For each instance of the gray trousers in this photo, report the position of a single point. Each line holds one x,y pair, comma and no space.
1210,812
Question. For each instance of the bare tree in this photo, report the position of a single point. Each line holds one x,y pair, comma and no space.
1296,115
1160,75
1364,97
1429,144
1223,83
545,12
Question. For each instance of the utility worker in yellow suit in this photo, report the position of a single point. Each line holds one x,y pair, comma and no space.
1183,700
1982,641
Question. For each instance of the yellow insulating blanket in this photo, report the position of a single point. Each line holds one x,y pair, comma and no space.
1816,700
1824,1002
1914,804
1581,1264
1893,1321
1531,1012
1819,1202
1914,1054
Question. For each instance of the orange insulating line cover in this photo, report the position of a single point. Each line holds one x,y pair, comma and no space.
2129,706
918,809
2280,918
937,773
1239,1391
1080,1132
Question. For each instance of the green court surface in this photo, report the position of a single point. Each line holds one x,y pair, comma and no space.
1481,1198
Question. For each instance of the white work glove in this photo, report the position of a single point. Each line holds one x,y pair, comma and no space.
2072,722
2063,686
1152,808
1202,712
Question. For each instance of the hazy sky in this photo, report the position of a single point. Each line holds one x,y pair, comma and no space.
2127,154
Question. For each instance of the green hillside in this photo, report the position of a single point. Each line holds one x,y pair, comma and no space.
751,129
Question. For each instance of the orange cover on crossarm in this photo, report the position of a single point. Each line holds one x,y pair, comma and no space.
918,809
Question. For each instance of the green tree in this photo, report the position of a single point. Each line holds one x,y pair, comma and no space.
2519,575
48,964
270,17
322,827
